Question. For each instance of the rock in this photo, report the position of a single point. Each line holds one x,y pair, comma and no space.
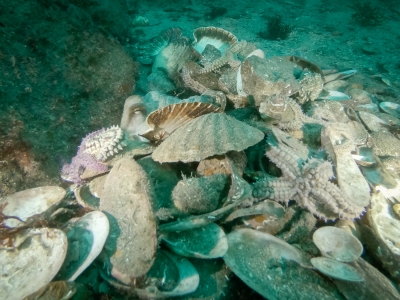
132,242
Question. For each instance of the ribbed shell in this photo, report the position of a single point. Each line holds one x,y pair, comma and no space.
217,37
166,120
205,136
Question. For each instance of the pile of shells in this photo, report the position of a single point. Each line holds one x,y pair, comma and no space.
187,194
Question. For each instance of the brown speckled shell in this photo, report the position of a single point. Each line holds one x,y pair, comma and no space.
205,136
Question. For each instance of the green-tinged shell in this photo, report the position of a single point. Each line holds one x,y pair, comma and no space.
203,242
335,269
205,136
391,108
217,37
337,244
199,195
183,279
268,265
163,121
86,238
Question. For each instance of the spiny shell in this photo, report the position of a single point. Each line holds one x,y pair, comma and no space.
105,144
166,120
205,136
218,37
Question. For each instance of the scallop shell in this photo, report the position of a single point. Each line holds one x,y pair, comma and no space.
337,244
205,136
217,37
105,144
166,120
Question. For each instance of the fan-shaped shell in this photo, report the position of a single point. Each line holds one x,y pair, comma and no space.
165,120
217,37
205,136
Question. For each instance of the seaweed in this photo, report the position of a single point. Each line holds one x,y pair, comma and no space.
276,29
367,15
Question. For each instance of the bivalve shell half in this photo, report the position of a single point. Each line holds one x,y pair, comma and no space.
86,238
217,37
165,120
337,243
391,108
205,136
27,203
336,269
204,242
31,267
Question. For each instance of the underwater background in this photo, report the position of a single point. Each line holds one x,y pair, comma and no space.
67,66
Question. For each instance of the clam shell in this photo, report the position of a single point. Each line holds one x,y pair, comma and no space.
268,265
335,269
337,244
391,108
27,203
86,238
204,242
187,282
217,37
34,265
205,136
166,120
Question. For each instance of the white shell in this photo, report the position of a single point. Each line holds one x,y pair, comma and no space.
27,203
335,269
337,243
29,268
86,237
